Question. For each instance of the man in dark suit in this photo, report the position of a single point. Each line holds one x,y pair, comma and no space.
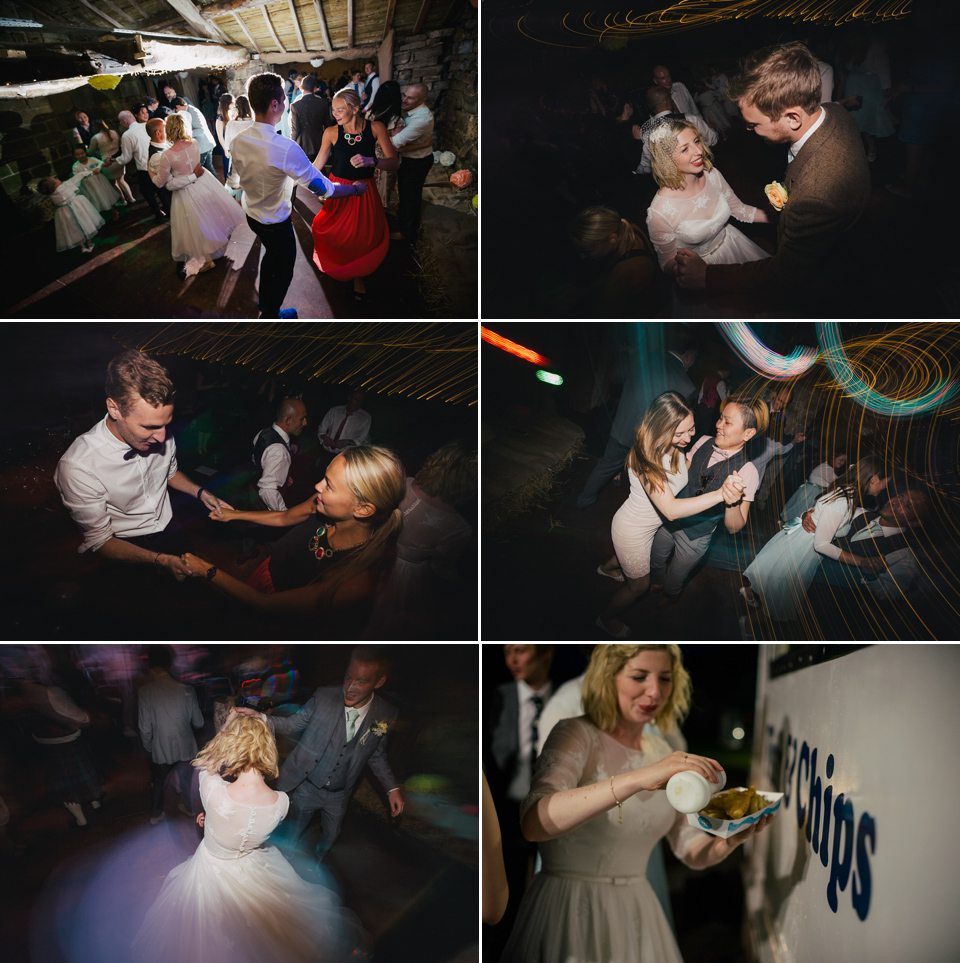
827,183
309,117
343,728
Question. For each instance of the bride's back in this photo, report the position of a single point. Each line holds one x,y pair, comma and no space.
238,820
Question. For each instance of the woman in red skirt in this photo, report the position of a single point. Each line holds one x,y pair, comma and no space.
350,240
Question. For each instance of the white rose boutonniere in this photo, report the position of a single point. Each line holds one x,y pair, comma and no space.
776,195
378,729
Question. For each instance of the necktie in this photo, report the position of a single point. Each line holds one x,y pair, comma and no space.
351,723
534,727
336,437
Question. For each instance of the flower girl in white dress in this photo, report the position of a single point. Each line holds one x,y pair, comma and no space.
203,214
76,220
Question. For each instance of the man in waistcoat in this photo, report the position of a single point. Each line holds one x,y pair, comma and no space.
271,458
343,728
882,544
710,461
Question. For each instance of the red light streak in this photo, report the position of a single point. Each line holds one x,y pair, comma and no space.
505,344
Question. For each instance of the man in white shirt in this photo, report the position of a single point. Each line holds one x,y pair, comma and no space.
135,145
415,146
114,478
267,165
371,82
661,104
681,96
343,426
197,128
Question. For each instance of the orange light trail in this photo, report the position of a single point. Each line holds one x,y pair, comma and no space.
498,341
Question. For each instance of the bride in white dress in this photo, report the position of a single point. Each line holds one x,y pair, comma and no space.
237,899
595,810
694,203
203,214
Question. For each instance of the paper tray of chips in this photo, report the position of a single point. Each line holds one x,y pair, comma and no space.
725,828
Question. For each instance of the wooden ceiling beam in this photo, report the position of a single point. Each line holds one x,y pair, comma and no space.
102,15
349,23
120,13
273,33
197,21
388,20
318,7
421,16
212,10
136,6
296,24
243,27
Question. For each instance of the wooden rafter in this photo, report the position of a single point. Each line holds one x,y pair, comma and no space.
296,25
349,23
197,21
102,15
273,33
120,13
212,10
388,21
318,7
243,27
421,16
136,6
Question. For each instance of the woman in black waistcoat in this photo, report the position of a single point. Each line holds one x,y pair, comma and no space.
351,240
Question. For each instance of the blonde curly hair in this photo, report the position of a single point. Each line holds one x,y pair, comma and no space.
662,143
176,128
245,743
600,689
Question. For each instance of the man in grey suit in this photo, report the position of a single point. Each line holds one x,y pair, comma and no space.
167,710
343,728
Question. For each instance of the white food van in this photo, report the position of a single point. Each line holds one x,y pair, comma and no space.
862,863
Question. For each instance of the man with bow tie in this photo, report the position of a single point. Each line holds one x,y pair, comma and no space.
881,542
114,478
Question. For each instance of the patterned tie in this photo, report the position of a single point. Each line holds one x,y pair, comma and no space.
351,723
534,728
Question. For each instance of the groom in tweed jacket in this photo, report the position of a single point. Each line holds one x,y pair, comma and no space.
827,180
343,729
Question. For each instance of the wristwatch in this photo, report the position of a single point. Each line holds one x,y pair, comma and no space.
211,572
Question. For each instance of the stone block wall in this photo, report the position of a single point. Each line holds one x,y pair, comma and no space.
446,61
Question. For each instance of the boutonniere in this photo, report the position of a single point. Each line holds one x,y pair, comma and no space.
776,194
378,729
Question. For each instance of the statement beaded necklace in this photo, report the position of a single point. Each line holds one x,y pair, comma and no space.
314,546
354,139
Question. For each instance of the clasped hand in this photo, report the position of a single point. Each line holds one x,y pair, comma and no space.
732,489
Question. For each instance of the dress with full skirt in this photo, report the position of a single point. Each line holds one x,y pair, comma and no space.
592,902
637,521
238,900
203,214
75,220
787,564
821,478
350,234
96,188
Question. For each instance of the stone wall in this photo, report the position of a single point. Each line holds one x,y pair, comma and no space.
446,61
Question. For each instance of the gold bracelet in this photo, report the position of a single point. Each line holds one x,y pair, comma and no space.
617,801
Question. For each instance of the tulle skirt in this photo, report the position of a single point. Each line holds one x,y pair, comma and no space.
254,909
99,192
76,222
350,234
203,215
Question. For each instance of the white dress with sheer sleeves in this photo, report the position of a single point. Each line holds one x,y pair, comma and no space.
238,900
592,902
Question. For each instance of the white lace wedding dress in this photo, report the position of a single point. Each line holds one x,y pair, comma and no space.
592,902
238,900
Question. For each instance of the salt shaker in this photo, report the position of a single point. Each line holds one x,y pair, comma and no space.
689,792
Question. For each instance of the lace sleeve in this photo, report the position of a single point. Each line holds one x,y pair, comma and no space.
662,232
742,212
681,836
561,764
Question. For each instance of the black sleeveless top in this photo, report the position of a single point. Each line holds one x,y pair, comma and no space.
342,152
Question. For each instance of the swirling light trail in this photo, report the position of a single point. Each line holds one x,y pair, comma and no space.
741,338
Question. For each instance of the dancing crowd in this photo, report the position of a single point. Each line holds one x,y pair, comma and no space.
255,867
644,162
851,517
272,138
366,551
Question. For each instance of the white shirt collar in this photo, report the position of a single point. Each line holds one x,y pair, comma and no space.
794,148
281,433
